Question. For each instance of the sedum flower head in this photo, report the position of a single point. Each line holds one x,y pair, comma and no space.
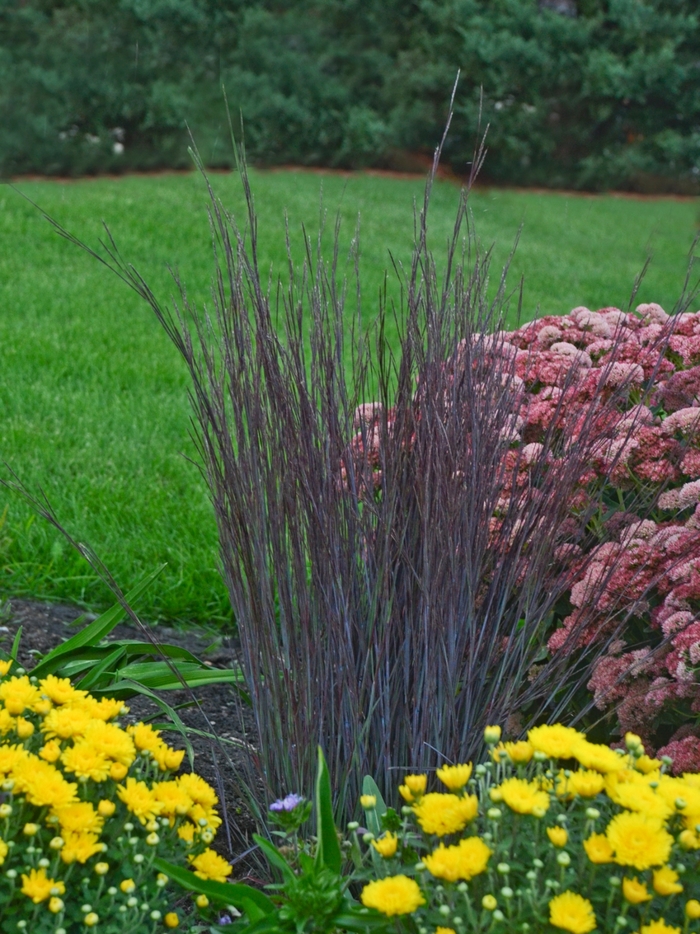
443,814
466,859
572,912
394,895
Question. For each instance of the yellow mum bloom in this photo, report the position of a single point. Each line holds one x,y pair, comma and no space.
3,851
638,840
395,895
443,814
692,909
557,835
196,813
86,762
65,722
106,708
387,845
586,783
557,742
171,920
368,802
200,791
80,817
519,753
666,881
522,796
18,694
598,757
139,799
572,912
209,865
492,734
117,771
79,847
646,764
598,848
24,728
442,930
38,886
145,736
109,739
635,891
187,832
60,690
466,859
173,798
455,776
51,751
10,757
639,797
5,665
413,787
42,783
106,808
658,927
7,722
168,760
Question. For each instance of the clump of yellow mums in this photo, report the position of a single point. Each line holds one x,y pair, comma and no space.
87,802
551,832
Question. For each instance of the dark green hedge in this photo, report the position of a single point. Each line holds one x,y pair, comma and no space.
608,97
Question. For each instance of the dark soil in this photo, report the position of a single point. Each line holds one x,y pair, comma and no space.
220,711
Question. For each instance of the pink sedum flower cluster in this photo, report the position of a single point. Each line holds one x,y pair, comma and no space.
647,572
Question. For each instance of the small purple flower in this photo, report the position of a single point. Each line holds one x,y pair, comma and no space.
287,804
225,919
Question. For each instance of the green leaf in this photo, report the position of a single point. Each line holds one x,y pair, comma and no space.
15,644
92,634
274,857
255,904
328,852
96,673
169,712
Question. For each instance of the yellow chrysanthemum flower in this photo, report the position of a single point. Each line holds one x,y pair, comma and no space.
368,802
168,759
200,791
466,859
387,845
586,783
19,694
51,751
522,796
395,895
85,761
666,882
173,798
42,783
60,690
630,790
79,847
10,756
4,850
443,814
139,799
7,722
557,741
638,840
558,836
65,722
80,817
413,787
519,753
658,927
599,758
5,665
635,892
187,832
441,930
598,849
692,909
647,765
111,741
572,912
38,886
145,736
209,865
455,776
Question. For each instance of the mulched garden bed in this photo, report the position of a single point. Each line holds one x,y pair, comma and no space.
46,625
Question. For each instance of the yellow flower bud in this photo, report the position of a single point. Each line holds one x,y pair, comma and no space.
101,869
152,839
489,902
25,728
686,838
90,920
368,802
557,835
117,771
55,905
127,886
632,741
5,810
634,891
201,901
417,783
171,920
30,829
492,735
692,909
387,845
106,808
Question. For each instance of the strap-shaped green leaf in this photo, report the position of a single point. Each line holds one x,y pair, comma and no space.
94,633
245,898
328,852
274,857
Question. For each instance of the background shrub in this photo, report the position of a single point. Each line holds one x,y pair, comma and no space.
609,96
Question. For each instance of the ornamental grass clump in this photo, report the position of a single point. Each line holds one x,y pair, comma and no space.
552,832
88,805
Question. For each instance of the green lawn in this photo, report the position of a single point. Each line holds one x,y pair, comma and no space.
94,398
